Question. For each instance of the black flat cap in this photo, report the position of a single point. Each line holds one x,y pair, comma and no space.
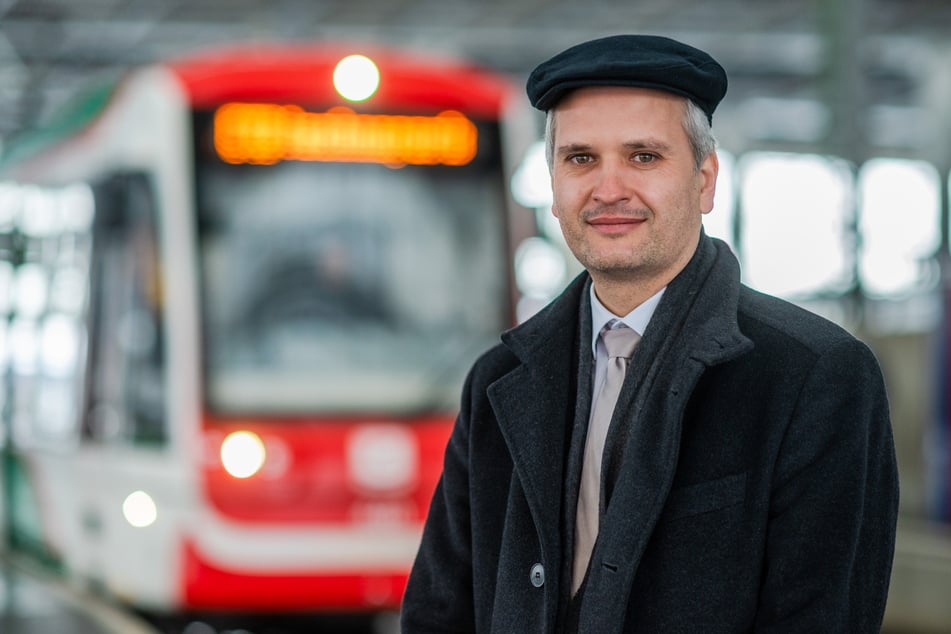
646,61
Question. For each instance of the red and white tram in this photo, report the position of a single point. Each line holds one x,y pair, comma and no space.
239,308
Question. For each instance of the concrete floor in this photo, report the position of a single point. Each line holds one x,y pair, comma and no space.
33,602
919,598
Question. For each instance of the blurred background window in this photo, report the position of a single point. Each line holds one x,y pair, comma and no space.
795,213
899,226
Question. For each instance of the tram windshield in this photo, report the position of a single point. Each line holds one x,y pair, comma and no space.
345,288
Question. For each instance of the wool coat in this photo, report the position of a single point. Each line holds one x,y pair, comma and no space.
750,481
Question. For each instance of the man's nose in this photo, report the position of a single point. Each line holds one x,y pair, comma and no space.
612,186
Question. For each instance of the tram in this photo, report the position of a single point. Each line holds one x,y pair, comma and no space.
241,290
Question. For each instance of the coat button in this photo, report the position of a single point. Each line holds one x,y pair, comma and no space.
538,575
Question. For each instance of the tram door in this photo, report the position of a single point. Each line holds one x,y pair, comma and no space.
126,389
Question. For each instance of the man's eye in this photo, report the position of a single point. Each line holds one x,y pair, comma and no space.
579,159
644,157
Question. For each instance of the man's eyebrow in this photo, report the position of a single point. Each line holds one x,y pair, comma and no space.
571,148
648,144
645,144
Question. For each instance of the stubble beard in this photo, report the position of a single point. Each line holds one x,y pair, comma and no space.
617,264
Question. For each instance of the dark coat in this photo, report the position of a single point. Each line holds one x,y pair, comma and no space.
752,484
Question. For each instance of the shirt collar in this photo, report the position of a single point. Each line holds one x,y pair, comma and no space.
637,319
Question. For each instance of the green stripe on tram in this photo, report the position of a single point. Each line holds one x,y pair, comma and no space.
23,529
78,114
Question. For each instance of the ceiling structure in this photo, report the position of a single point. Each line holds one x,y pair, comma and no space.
851,77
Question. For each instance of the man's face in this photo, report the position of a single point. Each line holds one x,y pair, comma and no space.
626,188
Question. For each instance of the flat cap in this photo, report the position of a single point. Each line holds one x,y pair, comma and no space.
646,61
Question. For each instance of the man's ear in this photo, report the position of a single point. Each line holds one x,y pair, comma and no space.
709,169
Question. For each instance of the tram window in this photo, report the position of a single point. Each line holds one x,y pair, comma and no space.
348,287
127,358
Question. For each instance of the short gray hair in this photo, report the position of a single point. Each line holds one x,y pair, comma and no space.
695,123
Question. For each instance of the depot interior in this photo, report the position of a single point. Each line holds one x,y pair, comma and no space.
835,154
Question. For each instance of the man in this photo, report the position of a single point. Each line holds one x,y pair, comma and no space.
746,480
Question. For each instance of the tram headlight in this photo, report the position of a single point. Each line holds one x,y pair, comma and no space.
139,509
242,454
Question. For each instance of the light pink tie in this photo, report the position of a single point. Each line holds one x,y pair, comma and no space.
620,343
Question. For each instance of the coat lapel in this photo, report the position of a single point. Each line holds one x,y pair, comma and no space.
534,406
694,327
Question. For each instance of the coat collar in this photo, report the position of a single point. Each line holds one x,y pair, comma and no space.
695,327
709,326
